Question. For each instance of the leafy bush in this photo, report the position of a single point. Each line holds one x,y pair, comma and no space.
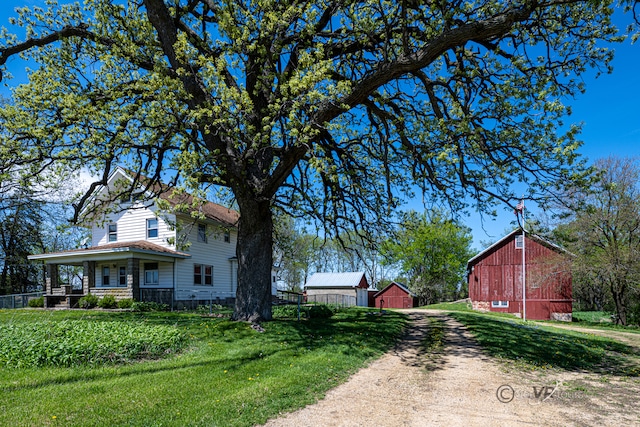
88,301
287,311
125,303
320,311
108,301
206,308
36,302
82,342
149,306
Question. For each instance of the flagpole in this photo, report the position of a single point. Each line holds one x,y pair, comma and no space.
524,268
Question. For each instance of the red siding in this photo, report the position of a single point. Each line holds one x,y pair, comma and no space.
394,297
497,276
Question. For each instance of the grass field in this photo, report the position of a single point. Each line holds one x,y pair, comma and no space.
229,374
532,345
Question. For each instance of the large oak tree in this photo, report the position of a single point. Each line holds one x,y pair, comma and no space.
333,109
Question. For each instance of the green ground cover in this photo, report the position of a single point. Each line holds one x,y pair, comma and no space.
227,375
535,346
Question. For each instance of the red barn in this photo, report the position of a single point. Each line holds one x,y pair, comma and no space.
395,295
495,278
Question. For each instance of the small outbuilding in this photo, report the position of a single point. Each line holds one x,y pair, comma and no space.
495,278
346,289
396,295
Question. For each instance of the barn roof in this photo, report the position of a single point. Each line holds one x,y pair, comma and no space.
335,280
400,285
535,237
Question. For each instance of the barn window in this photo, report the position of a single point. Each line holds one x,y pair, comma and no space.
519,242
500,304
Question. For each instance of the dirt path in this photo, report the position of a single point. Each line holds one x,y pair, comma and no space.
458,386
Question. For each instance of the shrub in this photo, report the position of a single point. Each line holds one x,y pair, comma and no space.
108,301
36,302
320,311
287,311
149,306
125,303
88,301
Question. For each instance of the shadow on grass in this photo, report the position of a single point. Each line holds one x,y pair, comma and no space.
542,347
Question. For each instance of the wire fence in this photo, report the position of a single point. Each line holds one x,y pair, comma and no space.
18,300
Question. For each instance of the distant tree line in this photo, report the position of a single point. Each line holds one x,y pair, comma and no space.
427,252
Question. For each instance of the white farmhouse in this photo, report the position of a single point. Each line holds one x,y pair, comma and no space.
142,252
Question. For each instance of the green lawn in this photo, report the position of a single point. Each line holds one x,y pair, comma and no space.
532,345
229,374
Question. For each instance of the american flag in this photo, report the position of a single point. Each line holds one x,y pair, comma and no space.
520,206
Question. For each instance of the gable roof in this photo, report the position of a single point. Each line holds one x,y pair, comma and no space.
518,231
400,285
213,211
335,280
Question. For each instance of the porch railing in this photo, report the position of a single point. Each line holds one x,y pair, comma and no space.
18,300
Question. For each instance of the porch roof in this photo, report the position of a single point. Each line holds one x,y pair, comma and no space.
111,251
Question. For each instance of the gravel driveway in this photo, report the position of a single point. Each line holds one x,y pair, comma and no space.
458,385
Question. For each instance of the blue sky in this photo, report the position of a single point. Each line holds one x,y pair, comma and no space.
609,111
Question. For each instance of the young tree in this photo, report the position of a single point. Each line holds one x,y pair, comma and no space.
20,235
334,110
604,233
432,252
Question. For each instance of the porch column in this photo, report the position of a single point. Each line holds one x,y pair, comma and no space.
51,278
133,277
88,276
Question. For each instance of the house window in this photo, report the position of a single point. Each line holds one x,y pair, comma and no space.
113,232
122,276
151,273
202,233
152,228
106,272
202,274
227,236
519,242
500,304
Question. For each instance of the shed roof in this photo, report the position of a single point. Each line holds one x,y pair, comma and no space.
335,280
400,285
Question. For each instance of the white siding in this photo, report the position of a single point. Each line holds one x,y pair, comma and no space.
132,226
165,275
215,252
114,271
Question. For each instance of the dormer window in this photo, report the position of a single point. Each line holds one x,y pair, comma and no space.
152,228
113,232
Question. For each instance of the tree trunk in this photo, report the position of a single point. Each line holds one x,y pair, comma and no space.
255,258
621,309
